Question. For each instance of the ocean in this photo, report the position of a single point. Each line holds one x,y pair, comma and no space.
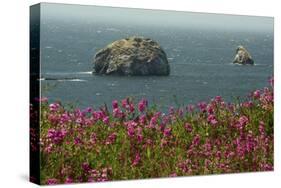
200,61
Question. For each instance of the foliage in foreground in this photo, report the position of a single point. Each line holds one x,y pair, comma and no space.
134,141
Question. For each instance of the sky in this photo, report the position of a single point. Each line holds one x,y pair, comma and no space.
156,18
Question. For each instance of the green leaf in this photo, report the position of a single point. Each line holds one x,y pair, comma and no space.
148,152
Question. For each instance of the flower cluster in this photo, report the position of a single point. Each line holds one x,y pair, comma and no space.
134,141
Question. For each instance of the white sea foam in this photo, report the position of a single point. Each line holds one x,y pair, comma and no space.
86,72
72,80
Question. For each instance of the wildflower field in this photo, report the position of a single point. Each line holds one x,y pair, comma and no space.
136,141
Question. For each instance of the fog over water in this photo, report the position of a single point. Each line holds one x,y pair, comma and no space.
145,17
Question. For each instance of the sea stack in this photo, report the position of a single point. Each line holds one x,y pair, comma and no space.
134,56
243,57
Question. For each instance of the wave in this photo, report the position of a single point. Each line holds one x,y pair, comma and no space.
255,64
63,79
86,72
72,80
67,73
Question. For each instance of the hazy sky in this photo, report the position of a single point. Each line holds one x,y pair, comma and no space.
155,17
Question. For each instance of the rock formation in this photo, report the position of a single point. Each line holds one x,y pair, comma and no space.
243,57
132,56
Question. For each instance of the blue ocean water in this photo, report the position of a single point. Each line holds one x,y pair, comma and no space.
200,61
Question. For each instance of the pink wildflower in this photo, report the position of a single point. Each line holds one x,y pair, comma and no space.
196,140
262,128
77,141
52,181
115,104
243,120
142,105
54,107
188,127
111,138
153,121
212,119
136,160
257,94
142,119
202,106
86,167
106,120
167,132
131,108
68,180
124,103
190,108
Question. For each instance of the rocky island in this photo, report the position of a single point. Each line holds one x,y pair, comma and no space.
243,57
132,56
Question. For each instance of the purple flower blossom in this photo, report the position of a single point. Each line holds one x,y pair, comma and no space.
248,104
180,112
68,180
139,134
243,120
218,99
86,167
266,167
106,120
136,160
202,106
165,120
131,108
115,104
171,110
188,127
142,105
54,107
77,141
210,109
167,132
212,120
65,118
79,121
125,103
153,121
196,140
56,136
257,94
142,119
117,113
111,138
262,128
93,138
130,131
52,181
190,108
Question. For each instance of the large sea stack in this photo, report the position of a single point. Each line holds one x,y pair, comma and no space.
243,57
132,56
